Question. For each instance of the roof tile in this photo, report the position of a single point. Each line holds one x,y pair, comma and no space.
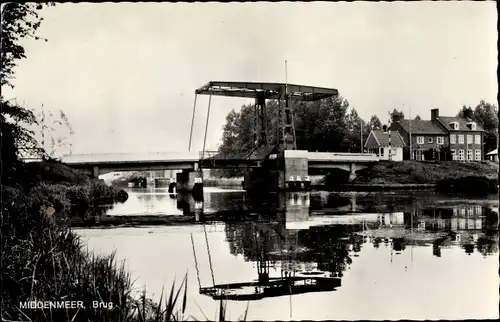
383,138
421,127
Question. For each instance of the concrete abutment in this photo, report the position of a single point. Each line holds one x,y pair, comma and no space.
190,181
286,171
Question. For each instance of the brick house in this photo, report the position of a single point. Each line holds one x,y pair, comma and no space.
425,135
465,136
462,136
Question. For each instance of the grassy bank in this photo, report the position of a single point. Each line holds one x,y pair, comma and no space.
43,260
413,172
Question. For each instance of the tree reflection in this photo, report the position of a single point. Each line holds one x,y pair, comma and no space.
330,247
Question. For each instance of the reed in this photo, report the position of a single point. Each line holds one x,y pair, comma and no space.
43,260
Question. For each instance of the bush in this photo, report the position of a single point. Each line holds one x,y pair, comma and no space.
472,185
69,200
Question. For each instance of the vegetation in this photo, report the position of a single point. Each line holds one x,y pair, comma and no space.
326,125
42,259
408,172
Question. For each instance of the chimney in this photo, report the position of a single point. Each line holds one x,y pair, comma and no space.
434,114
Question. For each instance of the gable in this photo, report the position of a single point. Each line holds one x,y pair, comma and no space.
379,138
371,141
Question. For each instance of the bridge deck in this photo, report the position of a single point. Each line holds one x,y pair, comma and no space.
187,160
106,158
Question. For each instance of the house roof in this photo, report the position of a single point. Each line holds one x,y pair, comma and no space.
382,138
421,127
494,152
446,120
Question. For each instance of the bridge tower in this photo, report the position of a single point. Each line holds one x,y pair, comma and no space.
260,138
282,166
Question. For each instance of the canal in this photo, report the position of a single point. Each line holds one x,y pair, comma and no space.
351,255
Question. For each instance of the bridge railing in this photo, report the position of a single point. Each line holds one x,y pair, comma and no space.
217,155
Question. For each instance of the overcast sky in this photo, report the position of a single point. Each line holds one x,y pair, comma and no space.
125,74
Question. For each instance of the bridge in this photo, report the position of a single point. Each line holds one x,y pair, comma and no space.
272,165
98,164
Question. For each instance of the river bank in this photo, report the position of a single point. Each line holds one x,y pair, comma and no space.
420,172
404,175
43,259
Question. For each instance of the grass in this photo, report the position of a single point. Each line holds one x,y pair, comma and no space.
415,172
43,260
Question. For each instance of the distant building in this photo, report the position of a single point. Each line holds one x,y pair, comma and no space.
386,146
493,155
463,137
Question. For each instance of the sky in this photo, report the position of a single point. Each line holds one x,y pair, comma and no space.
125,73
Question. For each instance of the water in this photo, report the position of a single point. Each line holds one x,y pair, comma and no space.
395,255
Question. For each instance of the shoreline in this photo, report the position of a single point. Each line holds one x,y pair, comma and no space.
165,220
376,187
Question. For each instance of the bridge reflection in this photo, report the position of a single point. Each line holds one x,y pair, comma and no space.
295,251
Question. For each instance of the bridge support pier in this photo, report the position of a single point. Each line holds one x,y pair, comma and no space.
352,172
95,172
295,170
288,171
189,181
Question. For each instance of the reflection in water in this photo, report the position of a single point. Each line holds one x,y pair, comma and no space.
335,252
293,260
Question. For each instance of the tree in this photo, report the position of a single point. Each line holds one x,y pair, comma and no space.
417,118
54,132
19,20
15,138
466,112
354,126
486,115
319,126
375,123
396,116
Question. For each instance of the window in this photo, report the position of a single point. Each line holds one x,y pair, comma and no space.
472,126
460,154
453,139
453,154
469,139
461,139
420,139
469,155
440,140
431,140
417,155
477,155
477,139
454,125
